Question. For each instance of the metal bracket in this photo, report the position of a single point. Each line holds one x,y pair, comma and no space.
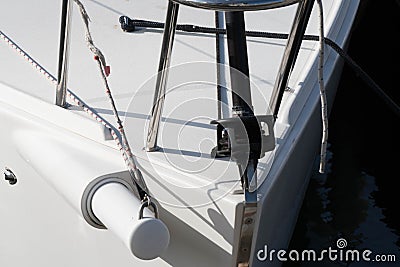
148,203
245,223
239,131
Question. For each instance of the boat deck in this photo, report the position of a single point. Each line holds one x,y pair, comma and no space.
133,57
189,185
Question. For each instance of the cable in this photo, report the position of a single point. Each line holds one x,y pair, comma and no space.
137,177
324,101
131,25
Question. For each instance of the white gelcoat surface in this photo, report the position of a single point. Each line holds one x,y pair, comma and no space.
197,207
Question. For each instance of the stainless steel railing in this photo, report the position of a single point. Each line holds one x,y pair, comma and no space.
162,76
241,98
291,51
290,55
63,53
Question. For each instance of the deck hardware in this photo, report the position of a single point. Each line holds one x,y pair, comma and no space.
63,54
247,142
245,223
10,176
222,149
162,76
292,49
148,203
126,24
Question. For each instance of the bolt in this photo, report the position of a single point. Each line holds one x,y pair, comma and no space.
248,221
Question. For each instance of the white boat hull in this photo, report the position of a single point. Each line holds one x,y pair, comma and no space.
56,153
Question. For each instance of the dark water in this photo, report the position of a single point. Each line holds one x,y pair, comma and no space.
358,199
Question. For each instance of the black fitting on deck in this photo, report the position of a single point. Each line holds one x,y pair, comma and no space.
247,138
126,24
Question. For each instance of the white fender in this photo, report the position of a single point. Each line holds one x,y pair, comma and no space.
70,165
118,209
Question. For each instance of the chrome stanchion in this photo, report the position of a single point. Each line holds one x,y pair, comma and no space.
62,71
162,75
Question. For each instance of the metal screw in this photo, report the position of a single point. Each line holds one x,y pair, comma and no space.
248,221
10,176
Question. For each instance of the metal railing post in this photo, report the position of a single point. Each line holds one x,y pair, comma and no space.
291,51
62,71
162,76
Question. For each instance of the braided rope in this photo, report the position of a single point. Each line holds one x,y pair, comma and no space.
88,36
324,102
355,67
105,71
